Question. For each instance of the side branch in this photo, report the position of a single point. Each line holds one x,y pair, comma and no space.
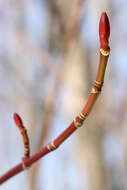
23,131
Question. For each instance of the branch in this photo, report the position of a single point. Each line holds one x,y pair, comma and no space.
104,32
23,131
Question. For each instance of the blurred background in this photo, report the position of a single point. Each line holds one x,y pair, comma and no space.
49,53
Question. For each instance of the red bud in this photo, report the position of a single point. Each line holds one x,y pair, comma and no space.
17,120
104,31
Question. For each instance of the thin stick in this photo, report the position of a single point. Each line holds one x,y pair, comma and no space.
78,121
23,131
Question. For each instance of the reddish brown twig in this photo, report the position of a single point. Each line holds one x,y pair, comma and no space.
78,121
23,131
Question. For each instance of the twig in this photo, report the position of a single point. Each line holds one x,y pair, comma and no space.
23,131
104,31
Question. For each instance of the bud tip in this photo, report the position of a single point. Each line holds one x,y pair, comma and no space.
17,120
104,31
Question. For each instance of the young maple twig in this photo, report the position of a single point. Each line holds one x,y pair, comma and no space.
104,32
23,131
